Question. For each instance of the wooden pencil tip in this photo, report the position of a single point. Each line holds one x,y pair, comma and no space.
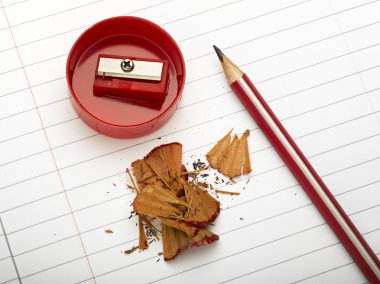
231,71
219,53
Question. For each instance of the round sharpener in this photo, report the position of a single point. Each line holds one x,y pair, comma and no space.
125,76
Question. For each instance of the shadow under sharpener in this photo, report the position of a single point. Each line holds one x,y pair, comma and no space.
135,80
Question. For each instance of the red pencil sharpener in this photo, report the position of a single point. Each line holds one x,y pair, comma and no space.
131,79
126,76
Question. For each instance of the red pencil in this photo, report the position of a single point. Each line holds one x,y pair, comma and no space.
302,170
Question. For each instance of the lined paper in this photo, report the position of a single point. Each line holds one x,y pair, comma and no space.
62,184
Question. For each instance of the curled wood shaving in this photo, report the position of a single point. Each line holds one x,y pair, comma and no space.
227,192
147,204
151,227
231,163
183,208
232,159
218,152
143,173
143,241
166,161
247,161
129,251
191,231
175,241
133,181
193,172
203,208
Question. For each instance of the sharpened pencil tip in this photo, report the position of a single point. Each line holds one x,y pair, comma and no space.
219,53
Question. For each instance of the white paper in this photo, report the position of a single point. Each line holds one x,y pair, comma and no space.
62,184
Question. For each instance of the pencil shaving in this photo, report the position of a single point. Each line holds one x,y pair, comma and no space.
129,251
227,192
231,158
203,209
164,193
143,173
166,161
143,241
191,231
175,241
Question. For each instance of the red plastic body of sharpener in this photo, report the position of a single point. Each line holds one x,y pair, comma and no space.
144,92
125,35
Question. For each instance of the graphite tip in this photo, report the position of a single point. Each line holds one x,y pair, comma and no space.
219,53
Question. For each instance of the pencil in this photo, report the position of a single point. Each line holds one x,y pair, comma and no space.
302,170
